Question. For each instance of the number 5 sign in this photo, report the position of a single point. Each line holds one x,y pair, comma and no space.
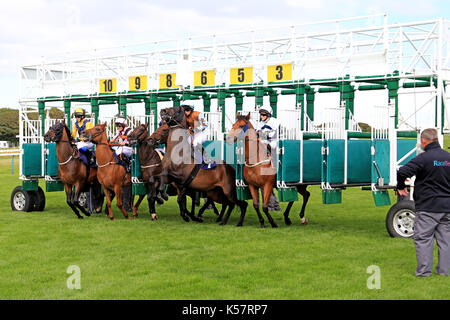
241,75
280,72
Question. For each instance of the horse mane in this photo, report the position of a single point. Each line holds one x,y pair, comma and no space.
69,135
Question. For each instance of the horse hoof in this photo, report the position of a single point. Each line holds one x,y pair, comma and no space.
263,226
186,219
239,225
135,216
218,219
304,221
274,225
154,216
288,222
80,217
199,220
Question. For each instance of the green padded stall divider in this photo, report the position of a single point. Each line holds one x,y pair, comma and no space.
335,161
32,159
51,165
381,198
53,186
243,193
137,188
359,161
312,160
403,147
381,158
332,196
30,185
214,149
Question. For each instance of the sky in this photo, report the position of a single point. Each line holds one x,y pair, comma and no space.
31,29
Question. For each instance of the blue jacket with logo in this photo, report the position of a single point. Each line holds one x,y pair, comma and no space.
432,184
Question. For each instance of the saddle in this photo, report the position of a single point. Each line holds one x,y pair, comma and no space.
123,160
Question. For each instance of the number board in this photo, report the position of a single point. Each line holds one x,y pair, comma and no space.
241,75
167,81
204,78
108,85
280,72
137,83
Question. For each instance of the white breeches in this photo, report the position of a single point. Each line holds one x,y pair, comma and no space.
123,149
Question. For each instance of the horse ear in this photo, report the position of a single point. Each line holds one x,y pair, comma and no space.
146,126
63,122
247,116
103,125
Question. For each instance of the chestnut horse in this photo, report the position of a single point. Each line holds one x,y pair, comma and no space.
180,167
159,137
260,172
71,170
111,175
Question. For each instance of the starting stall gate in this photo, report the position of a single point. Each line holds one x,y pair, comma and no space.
347,57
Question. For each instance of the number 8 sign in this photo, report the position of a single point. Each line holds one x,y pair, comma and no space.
167,81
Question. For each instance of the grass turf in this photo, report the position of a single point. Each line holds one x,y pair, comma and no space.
171,259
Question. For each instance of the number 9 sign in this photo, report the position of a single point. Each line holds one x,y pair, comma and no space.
137,83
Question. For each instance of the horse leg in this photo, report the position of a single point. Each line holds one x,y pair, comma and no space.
266,206
205,206
119,202
222,212
181,199
255,197
305,193
76,202
151,199
243,206
68,189
192,213
137,204
227,216
286,213
108,202
112,196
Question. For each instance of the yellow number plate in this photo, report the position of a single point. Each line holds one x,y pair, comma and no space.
137,83
167,81
280,72
108,85
241,75
204,78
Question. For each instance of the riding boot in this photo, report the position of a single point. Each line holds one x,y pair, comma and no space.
126,198
274,205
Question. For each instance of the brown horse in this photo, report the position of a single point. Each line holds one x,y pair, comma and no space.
158,137
71,170
180,167
259,171
111,175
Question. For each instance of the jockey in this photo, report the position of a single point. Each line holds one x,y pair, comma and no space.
197,125
121,137
269,131
81,124
268,128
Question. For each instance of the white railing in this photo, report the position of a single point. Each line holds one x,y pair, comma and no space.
334,125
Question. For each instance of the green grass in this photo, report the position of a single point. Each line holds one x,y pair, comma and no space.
171,259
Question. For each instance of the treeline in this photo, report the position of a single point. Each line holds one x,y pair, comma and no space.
9,122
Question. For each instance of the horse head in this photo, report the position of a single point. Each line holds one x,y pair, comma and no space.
172,116
55,132
160,136
94,135
239,128
139,134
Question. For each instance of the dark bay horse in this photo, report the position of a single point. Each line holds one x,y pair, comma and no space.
71,170
180,167
260,172
151,167
111,175
160,137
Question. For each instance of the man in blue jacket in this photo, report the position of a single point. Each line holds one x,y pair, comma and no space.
432,202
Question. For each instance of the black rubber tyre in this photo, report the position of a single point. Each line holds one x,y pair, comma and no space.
39,204
22,200
400,219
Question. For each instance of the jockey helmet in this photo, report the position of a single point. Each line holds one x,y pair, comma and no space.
121,121
266,110
187,107
80,112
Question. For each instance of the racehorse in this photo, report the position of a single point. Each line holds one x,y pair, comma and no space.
179,166
71,169
111,175
260,172
158,137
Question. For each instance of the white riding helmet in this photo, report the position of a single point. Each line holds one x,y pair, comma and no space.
121,120
266,109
